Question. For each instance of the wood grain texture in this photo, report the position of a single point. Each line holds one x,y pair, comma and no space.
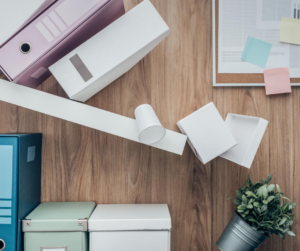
82,164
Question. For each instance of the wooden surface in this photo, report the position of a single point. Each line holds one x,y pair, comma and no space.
81,164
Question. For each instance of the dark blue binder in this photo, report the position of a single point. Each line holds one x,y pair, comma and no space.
20,185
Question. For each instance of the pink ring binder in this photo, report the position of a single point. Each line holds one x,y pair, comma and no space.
56,29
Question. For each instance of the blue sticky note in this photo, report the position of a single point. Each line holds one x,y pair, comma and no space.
256,52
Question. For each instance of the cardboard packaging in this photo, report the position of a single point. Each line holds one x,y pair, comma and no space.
20,185
14,14
248,132
111,53
61,226
54,31
207,133
130,227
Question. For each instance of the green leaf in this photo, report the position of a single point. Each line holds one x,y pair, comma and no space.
279,212
285,208
285,198
265,202
290,233
270,198
263,181
249,193
283,220
264,192
231,198
239,195
271,188
266,215
244,199
253,220
256,204
250,206
292,206
259,192
278,188
264,208
269,178
241,207
249,180
237,202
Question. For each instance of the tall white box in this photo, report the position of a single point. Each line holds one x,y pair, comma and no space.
248,132
207,133
111,53
130,227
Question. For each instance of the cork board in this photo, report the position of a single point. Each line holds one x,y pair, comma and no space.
224,78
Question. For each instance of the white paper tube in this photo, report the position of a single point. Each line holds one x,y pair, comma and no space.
149,127
84,115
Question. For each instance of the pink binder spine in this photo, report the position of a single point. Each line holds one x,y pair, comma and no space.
54,33
40,10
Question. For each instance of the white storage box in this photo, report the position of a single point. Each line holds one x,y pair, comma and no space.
111,53
207,133
248,132
130,227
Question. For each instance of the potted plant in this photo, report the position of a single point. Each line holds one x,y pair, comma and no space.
261,211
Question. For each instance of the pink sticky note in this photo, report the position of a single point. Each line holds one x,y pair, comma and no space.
277,81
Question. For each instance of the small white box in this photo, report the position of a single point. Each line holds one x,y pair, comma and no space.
111,53
207,133
248,132
130,227
14,14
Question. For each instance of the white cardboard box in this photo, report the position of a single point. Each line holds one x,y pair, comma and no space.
14,13
130,227
248,132
207,133
111,53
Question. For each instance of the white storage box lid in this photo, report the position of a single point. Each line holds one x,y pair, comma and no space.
207,133
130,217
248,132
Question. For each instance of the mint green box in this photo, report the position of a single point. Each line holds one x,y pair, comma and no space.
58,226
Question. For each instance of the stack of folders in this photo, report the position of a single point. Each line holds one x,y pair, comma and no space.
20,185
55,28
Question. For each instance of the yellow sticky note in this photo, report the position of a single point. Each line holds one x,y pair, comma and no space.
290,30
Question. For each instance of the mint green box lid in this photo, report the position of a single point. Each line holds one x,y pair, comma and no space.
59,217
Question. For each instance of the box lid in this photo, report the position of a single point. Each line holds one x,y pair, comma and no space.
248,132
130,217
207,133
59,216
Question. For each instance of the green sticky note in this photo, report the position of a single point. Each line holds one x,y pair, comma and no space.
256,52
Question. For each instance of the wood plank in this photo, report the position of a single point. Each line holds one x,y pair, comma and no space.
82,164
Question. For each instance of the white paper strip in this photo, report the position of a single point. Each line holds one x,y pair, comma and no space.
84,115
